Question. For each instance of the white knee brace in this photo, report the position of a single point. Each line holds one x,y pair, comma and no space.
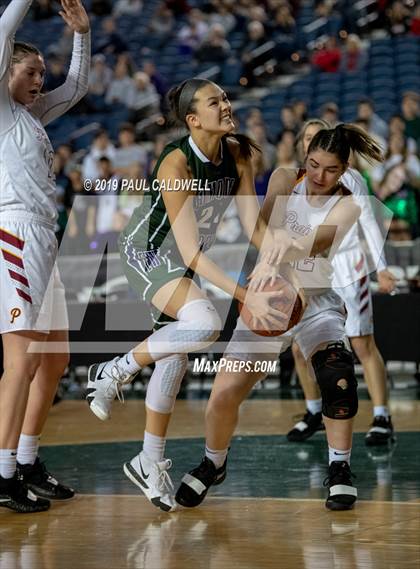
165,383
198,326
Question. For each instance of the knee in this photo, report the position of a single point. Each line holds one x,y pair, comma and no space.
54,365
202,319
209,325
334,371
224,401
363,346
23,368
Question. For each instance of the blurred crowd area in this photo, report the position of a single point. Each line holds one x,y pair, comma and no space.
280,61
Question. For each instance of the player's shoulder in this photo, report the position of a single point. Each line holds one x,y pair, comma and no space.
353,180
282,180
175,159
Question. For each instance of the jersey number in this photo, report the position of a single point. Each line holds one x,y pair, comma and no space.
307,265
206,215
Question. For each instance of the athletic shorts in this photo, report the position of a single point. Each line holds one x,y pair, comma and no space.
323,321
148,271
32,296
350,266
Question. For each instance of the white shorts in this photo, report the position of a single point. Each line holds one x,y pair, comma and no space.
323,321
356,296
32,295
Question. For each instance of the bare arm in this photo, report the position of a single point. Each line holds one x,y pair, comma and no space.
57,102
179,207
252,221
258,224
326,238
279,189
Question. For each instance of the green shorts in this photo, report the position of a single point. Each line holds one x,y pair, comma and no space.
148,271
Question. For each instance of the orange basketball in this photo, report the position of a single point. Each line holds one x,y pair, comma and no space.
290,304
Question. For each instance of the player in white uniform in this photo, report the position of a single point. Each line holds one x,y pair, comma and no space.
318,213
350,267
32,296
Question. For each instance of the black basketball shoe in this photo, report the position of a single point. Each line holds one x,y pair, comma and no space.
196,483
381,432
341,492
306,427
37,479
15,496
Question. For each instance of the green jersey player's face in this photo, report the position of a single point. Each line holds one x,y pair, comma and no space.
213,111
323,170
26,79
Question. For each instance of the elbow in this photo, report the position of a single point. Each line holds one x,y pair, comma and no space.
190,257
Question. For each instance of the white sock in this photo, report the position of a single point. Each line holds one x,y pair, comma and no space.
128,363
217,457
381,411
27,448
337,455
314,405
7,462
154,446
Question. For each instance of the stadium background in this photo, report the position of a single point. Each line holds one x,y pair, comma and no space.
279,62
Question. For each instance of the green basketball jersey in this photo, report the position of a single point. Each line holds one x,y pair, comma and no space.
214,186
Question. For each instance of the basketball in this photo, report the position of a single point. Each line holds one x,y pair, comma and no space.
290,303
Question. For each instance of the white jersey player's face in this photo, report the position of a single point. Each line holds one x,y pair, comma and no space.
323,170
213,111
26,79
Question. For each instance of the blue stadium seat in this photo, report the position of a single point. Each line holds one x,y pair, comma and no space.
231,72
381,84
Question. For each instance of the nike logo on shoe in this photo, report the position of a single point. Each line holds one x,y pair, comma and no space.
145,476
340,453
100,376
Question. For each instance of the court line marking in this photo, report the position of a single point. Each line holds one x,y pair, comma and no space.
262,499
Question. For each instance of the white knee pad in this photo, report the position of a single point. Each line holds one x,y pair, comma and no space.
198,326
165,383
201,315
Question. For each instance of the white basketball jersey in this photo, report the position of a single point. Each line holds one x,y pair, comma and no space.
27,179
27,182
301,219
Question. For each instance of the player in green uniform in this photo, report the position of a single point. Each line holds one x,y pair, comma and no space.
163,249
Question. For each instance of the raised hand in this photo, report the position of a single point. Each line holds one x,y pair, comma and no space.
265,316
283,242
262,274
75,16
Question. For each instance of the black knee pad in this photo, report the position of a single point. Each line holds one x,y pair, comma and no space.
334,371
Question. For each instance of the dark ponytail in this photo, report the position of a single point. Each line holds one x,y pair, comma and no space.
247,146
181,101
345,138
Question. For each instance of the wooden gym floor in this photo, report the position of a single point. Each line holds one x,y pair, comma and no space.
269,513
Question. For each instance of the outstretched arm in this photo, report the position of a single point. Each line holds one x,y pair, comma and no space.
9,23
185,229
271,244
57,102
